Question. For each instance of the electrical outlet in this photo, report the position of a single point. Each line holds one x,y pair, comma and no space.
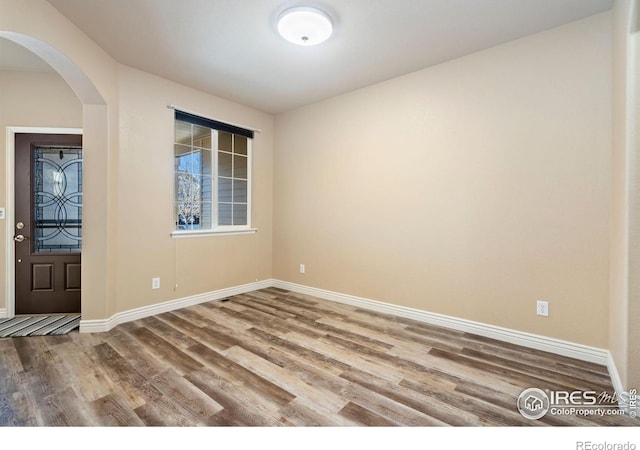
155,283
542,308
302,268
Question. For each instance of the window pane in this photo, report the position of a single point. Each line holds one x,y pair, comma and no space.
239,166
183,133
240,145
176,218
201,137
239,191
196,161
189,163
183,158
239,214
188,197
179,217
186,187
180,150
224,190
224,141
188,216
224,164
205,158
206,189
205,215
196,213
224,214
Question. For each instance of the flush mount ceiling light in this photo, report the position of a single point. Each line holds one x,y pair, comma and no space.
304,25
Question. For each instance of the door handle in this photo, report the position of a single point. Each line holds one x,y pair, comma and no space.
19,238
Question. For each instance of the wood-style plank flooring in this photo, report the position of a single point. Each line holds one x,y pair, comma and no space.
277,358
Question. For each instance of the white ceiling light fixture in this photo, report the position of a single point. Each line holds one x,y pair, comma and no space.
305,25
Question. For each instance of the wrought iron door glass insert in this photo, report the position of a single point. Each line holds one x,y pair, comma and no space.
57,199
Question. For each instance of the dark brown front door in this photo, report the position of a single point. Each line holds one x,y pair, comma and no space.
48,223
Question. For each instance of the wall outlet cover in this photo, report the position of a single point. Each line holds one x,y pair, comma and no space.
542,308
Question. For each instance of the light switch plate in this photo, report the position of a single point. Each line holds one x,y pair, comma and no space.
1,213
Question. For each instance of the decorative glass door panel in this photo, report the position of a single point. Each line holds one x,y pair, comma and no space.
57,199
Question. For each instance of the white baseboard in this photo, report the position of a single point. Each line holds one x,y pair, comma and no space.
619,388
3,313
615,375
552,345
100,325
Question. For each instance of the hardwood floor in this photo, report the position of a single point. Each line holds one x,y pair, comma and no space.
277,358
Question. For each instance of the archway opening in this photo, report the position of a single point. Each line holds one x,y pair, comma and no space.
95,130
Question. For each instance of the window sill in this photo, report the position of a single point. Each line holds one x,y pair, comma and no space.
198,233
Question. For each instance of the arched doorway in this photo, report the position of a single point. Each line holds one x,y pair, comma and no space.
94,272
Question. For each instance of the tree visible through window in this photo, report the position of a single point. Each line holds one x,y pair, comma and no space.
212,175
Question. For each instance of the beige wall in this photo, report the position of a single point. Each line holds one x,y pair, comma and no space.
31,99
471,189
619,229
130,160
92,74
625,227
633,317
145,199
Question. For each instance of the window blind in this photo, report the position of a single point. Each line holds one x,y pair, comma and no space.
210,123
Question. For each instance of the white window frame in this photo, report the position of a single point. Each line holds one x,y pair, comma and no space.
220,229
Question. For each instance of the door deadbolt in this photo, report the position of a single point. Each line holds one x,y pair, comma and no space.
19,225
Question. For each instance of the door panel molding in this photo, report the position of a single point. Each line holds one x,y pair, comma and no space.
11,131
42,277
72,277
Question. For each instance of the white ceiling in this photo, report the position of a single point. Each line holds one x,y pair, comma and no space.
230,47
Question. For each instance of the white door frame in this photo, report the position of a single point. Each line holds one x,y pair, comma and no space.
10,280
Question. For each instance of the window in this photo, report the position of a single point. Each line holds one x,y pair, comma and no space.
212,175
